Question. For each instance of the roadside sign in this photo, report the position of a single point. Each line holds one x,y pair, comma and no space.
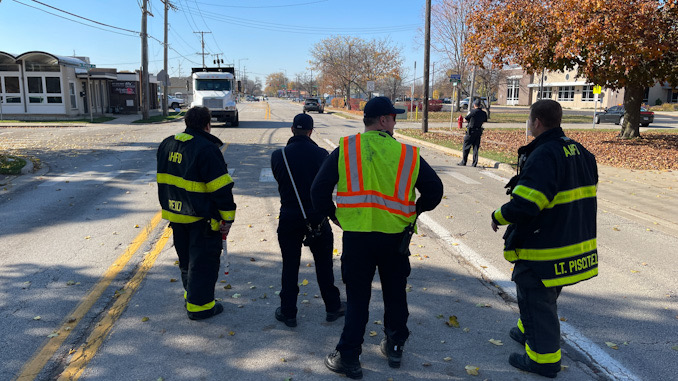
455,77
88,66
454,84
370,85
597,89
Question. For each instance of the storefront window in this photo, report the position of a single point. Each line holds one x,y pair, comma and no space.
566,93
35,85
12,85
53,85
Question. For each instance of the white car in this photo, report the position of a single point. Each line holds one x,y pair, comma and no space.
174,102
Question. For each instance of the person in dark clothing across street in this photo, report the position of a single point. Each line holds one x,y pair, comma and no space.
376,177
474,131
551,234
196,196
304,158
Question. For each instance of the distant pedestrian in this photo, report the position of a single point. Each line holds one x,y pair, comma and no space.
297,225
551,234
376,177
474,131
196,196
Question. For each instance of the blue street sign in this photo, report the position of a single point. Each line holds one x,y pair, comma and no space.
455,77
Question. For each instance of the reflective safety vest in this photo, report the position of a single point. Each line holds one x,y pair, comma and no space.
375,192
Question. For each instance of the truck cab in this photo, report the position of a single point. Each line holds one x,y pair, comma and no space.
214,88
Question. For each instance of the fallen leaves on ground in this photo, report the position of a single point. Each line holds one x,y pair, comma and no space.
472,370
653,150
612,345
452,322
496,342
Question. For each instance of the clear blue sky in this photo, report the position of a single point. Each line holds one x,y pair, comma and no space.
263,36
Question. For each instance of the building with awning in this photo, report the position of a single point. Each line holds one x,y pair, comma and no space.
39,85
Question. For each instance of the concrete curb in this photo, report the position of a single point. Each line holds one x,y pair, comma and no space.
28,168
481,160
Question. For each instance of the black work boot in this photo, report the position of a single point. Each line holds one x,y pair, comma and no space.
349,366
290,322
201,315
524,362
392,351
517,335
332,316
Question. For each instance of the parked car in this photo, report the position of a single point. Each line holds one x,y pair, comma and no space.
172,101
447,101
463,104
615,114
314,104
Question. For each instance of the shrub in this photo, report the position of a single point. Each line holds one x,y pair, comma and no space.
357,104
338,102
658,102
433,105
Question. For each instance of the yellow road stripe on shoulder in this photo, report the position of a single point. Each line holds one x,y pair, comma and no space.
84,354
40,358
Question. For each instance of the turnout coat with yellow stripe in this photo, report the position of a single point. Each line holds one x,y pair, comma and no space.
552,211
193,180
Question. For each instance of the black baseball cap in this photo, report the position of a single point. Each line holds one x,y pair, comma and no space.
302,122
379,106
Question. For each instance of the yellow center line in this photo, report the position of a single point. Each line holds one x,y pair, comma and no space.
86,352
33,367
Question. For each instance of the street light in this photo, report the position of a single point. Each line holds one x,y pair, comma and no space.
240,71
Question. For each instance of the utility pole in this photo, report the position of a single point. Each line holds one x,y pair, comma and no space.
144,63
427,60
202,43
165,90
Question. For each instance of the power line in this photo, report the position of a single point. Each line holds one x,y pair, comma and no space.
84,18
265,6
76,21
208,27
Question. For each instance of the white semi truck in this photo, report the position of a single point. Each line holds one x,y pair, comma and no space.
215,89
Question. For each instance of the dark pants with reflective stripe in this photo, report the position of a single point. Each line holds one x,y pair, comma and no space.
363,254
471,140
199,249
539,315
291,232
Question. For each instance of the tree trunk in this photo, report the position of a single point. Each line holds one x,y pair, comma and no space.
633,97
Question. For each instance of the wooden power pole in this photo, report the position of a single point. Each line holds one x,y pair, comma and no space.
427,60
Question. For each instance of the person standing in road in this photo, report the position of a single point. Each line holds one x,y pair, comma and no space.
376,177
196,196
474,131
295,226
551,234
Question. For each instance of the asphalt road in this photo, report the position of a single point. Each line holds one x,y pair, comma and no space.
87,220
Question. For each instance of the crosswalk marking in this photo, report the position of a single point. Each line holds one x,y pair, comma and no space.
462,178
266,175
494,176
82,176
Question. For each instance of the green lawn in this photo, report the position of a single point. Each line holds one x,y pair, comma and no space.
11,165
159,118
86,120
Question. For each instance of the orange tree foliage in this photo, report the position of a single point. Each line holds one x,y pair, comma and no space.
628,44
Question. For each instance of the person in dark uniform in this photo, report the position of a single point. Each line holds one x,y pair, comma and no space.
304,158
196,196
551,234
474,131
376,177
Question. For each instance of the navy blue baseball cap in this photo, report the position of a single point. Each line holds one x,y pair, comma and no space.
379,106
302,122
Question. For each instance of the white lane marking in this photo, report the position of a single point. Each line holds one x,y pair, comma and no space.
494,176
82,176
146,178
266,175
330,143
606,364
462,178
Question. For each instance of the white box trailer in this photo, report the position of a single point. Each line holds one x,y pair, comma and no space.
215,89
